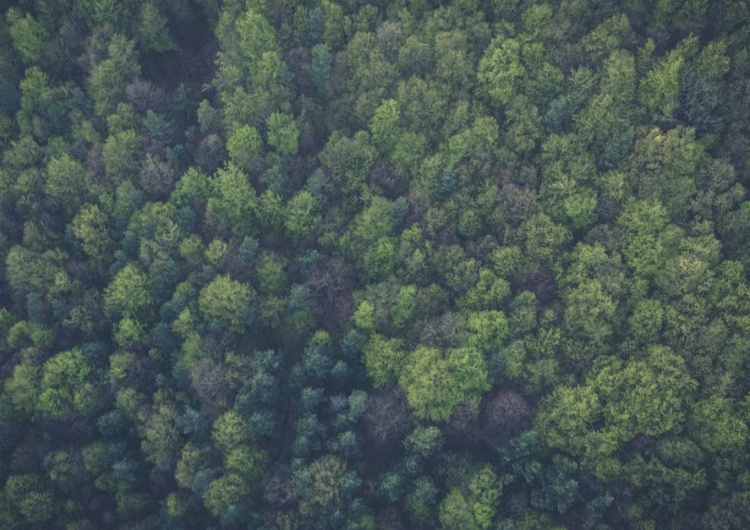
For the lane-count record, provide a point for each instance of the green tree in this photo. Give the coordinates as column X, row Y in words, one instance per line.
column 319, row 68
column 110, row 77
column 271, row 269
column 590, row 312
column 384, row 126
column 385, row 359
column 664, row 167
column 717, row 427
column 160, row 438
column 436, row 382
column 91, row 226
column 487, row 331
column 349, row 160
column 68, row 182
column 500, row 71
column 244, row 145
column 234, row 198
column 128, row 294
column 324, row 489
column 224, row 493
column 283, row 133
column 256, row 38
column 224, row 300
column 153, row 31
column 33, row 503
column 302, row 216
column 544, row 238
column 65, row 385
column 474, row 505
column 649, row 238
column 567, row 418
column 649, row 396
column 230, row 432
column 22, row 386
column 29, row 36
column 122, row 154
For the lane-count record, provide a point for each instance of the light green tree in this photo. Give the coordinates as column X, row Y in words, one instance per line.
column 244, row 145
column 283, row 133
column 91, row 226
column 223, row 300
column 109, row 78
column 500, row 70
column 28, row 35
column 153, row 30
column 436, row 382
column 384, row 359
column 234, row 198
column 69, row 182
column 301, row 215
column 384, row 126
column 128, row 294
column 65, row 385
column 473, row 505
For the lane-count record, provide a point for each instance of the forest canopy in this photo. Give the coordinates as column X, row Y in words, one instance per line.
column 339, row 264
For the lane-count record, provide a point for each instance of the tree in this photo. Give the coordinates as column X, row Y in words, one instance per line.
column 110, row 77
column 608, row 37
column 319, row 68
column 234, row 198
column 717, row 427
column 272, row 276
column 91, row 226
column 161, row 437
column 544, row 238
column 34, row 505
column 122, row 155
column 567, row 417
column 387, row 419
column 435, row 382
column 128, row 294
column 224, row 494
column 664, row 167
column 385, row 360
column 384, row 126
column 589, row 313
column 153, row 32
column 474, row 505
column 22, row 387
column 256, row 39
column 65, row 385
column 283, row 134
column 244, row 145
column 323, row 489
column 456, row 512
column 224, row 300
column 505, row 415
column 302, row 216
column 230, row 432
column 28, row 34
column 648, row 396
column 649, row 238
column 349, row 160
column 486, row 331
column 500, row 71
column 68, row 182
column 646, row 321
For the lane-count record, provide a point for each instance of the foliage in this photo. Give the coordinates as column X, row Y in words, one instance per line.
column 435, row 382
column 358, row 265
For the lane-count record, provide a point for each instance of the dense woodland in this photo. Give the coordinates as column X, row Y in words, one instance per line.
column 331, row 264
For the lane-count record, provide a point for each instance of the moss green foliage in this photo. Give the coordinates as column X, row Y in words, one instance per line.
column 435, row 382
column 343, row 264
